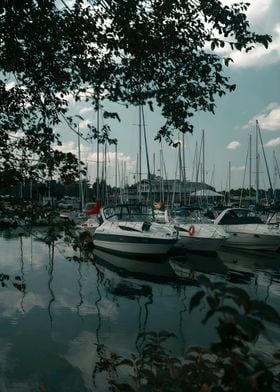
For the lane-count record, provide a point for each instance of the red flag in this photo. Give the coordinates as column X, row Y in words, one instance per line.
column 95, row 209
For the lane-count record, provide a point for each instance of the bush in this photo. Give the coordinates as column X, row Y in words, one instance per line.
column 231, row 364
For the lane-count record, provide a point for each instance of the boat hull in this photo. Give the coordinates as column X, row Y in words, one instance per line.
column 255, row 239
column 199, row 244
column 200, row 237
column 132, row 245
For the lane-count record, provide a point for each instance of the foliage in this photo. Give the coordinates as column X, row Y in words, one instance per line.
column 16, row 282
column 233, row 363
column 131, row 52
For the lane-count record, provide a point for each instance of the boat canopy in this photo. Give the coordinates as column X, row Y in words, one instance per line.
column 237, row 216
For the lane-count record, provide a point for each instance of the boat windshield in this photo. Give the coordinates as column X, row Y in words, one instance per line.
column 187, row 215
column 240, row 216
column 131, row 213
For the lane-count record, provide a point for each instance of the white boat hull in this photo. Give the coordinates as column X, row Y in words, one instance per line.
column 252, row 240
column 134, row 238
column 204, row 238
column 132, row 245
column 199, row 244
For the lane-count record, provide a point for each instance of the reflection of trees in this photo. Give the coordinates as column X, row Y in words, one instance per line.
column 22, row 274
column 50, row 273
column 99, row 346
column 80, row 288
column 181, row 318
column 140, row 340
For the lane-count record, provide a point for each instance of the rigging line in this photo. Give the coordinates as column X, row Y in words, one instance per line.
column 73, row 129
column 174, row 183
column 246, row 161
column 276, row 164
column 167, row 182
column 266, row 165
column 147, row 158
column 65, row 5
column 198, row 163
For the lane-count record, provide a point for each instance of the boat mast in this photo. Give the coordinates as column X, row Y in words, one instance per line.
column 184, row 171
column 140, row 156
column 257, row 165
column 116, row 168
column 277, row 170
column 81, row 193
column 229, row 181
column 161, row 176
column 151, row 195
column 203, row 163
column 97, row 153
column 250, row 165
column 244, row 174
column 265, row 160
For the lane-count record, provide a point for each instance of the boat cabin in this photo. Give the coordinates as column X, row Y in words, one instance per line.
column 237, row 216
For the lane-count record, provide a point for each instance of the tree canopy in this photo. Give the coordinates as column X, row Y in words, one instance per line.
column 156, row 52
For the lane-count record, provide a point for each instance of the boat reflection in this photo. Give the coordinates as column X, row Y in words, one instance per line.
column 245, row 265
column 131, row 272
column 142, row 281
column 232, row 265
column 191, row 265
column 249, row 260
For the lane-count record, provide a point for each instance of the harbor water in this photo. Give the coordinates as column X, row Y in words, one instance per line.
column 59, row 306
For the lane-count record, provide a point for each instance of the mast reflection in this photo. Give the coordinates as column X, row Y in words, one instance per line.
column 50, row 280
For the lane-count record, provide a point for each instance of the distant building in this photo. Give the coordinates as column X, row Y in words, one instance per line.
column 166, row 191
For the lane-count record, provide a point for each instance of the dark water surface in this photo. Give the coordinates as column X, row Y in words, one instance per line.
column 56, row 310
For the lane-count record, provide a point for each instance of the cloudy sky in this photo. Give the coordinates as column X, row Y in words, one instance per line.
column 257, row 97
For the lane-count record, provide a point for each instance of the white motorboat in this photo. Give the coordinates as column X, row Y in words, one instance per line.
column 126, row 229
column 195, row 235
column 247, row 230
column 88, row 225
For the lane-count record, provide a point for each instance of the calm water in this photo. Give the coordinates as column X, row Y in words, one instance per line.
column 52, row 325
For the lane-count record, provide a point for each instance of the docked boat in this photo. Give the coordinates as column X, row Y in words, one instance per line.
column 91, row 220
column 127, row 229
column 193, row 235
column 247, row 230
column 88, row 225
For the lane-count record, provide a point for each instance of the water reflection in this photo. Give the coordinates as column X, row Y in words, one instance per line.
column 50, row 279
column 73, row 304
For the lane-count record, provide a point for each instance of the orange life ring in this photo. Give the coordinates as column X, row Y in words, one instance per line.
column 191, row 230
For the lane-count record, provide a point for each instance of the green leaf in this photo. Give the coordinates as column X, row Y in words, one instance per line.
column 196, row 299
column 265, row 311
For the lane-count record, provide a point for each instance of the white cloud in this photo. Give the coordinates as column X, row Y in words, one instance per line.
column 233, row 145
column 273, row 142
column 86, row 109
column 268, row 119
column 238, row 168
column 68, row 147
column 259, row 56
column 257, row 8
column 10, row 85
column 260, row 15
column 84, row 123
